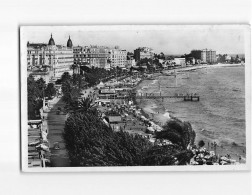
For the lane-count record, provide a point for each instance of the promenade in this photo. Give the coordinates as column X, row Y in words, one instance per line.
column 55, row 125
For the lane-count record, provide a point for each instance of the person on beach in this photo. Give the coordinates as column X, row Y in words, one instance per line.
column 240, row 159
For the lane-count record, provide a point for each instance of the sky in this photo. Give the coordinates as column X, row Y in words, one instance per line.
column 167, row 39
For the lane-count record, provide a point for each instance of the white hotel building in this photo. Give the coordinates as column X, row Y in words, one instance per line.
column 118, row 57
column 55, row 59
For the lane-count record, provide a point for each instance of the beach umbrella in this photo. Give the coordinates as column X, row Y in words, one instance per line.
column 207, row 156
column 152, row 123
column 224, row 158
column 150, row 129
column 158, row 128
column 194, row 163
column 223, row 162
column 143, row 118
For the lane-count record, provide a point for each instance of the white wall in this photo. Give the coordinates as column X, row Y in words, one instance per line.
column 62, row 12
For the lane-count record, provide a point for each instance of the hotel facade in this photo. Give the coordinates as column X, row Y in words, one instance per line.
column 143, row 52
column 118, row 57
column 93, row 56
column 100, row 56
column 205, row 55
column 208, row 56
column 50, row 58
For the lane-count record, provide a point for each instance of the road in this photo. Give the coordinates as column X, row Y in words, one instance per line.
column 55, row 124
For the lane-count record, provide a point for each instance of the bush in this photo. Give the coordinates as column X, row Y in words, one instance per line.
column 178, row 132
column 34, row 96
column 201, row 143
column 90, row 142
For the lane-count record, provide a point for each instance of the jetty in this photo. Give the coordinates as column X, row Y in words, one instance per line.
column 191, row 97
column 181, row 96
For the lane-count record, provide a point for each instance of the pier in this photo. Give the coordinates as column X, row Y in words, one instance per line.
column 191, row 98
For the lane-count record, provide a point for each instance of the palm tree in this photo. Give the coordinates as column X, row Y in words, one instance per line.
column 65, row 76
column 66, row 89
column 81, row 106
column 182, row 136
column 179, row 133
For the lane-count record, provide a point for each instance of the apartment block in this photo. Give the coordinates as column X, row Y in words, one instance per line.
column 143, row 52
column 93, row 56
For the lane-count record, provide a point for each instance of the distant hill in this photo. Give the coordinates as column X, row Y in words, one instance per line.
column 232, row 55
column 173, row 55
column 240, row 55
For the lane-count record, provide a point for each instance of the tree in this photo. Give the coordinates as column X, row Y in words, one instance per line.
column 167, row 155
column 237, row 59
column 79, row 80
column 50, row 90
column 41, row 87
column 82, row 106
column 65, row 77
column 92, row 143
column 201, row 143
column 35, row 96
column 182, row 136
column 91, row 79
column 58, row 82
column 178, row 132
column 232, row 60
column 161, row 56
column 67, row 88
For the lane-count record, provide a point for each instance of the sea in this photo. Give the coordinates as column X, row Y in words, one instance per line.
column 219, row 116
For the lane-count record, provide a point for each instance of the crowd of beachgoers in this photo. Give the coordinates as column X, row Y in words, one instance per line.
column 136, row 121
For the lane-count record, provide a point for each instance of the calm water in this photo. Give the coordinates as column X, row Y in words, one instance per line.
column 220, row 114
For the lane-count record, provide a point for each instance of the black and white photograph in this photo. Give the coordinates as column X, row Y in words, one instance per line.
column 128, row 97
column 134, row 97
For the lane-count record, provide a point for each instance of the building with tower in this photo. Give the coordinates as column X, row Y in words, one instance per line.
column 69, row 43
column 50, row 58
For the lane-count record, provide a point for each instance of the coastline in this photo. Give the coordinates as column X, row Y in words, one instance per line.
column 183, row 69
column 166, row 115
column 157, row 112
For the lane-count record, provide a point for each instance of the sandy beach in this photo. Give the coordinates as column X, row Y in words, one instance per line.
column 202, row 66
column 160, row 113
column 154, row 113
column 153, row 109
